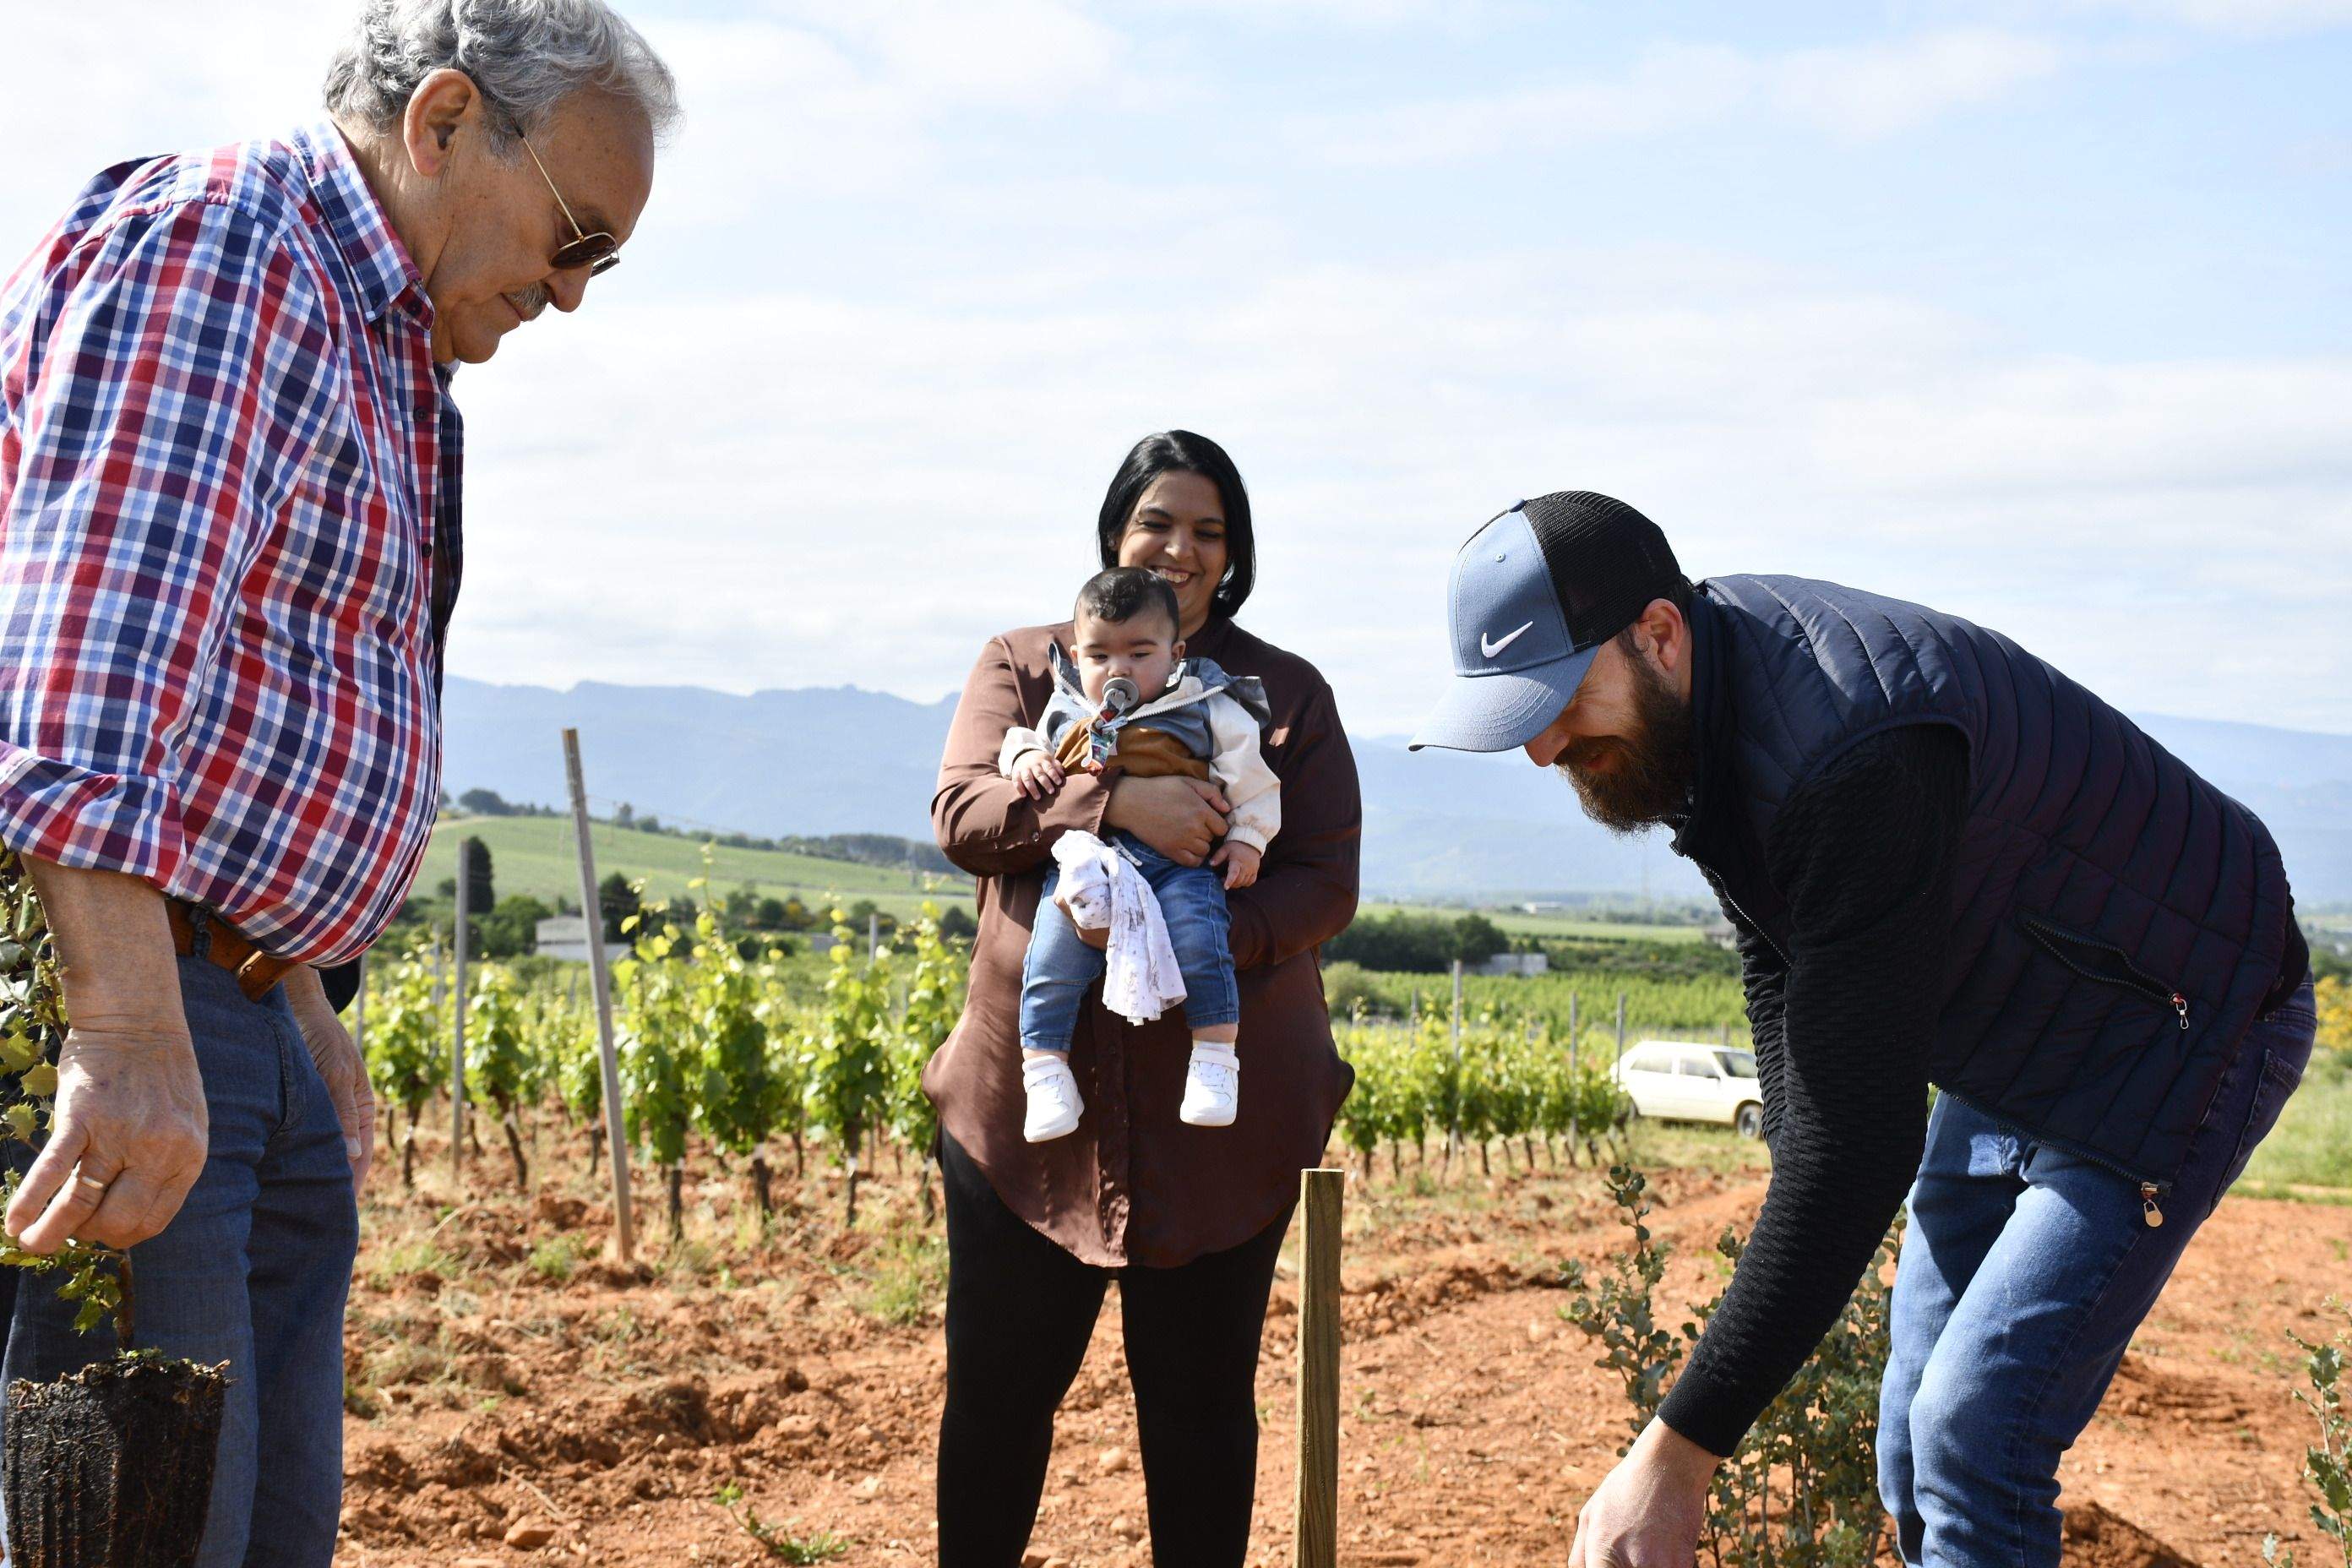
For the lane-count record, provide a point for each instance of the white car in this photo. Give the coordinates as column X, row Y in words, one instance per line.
column 1682, row 1080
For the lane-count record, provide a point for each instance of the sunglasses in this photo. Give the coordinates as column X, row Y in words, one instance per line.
column 598, row 252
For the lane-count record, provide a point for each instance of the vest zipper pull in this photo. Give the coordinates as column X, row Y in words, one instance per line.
column 2180, row 1005
column 2149, row 1210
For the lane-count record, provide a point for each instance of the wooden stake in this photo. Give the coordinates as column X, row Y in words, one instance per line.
column 1454, row 1126
column 591, row 915
column 457, row 1036
column 1317, row 1533
column 1576, row 1103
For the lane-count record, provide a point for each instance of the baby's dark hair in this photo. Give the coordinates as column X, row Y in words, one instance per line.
column 1123, row 592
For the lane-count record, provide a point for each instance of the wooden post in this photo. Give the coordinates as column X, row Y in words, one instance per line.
column 1454, row 1125
column 1726, row 1036
column 458, row 1010
column 873, row 936
column 1621, row 1025
column 1318, row 1533
column 1576, row 1103
column 591, row 915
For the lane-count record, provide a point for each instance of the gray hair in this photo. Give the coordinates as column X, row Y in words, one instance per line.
column 525, row 57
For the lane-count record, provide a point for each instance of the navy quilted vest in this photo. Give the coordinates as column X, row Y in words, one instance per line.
column 2118, row 920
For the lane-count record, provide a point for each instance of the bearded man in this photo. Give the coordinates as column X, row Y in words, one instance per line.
column 1946, row 863
column 229, row 548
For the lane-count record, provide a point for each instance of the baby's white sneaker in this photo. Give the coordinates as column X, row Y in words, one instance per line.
column 1053, row 1103
column 1212, row 1085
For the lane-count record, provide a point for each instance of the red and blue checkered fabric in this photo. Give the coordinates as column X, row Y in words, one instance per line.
column 228, row 541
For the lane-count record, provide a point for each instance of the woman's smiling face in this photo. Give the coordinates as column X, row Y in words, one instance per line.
column 1177, row 532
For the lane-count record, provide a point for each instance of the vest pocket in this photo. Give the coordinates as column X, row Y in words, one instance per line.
column 2103, row 961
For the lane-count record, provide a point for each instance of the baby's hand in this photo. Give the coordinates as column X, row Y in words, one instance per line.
column 1037, row 773
column 1240, row 862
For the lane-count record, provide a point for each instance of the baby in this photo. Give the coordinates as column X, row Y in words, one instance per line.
column 1180, row 717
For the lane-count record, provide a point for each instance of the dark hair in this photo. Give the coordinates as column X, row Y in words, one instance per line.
column 1123, row 592
column 1182, row 452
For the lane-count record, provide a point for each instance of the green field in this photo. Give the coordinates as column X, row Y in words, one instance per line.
column 2312, row 1144
column 535, row 855
column 1518, row 922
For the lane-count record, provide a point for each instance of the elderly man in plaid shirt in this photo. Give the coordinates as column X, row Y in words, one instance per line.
column 228, row 550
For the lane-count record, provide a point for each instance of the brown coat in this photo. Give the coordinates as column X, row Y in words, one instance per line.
column 1133, row 1185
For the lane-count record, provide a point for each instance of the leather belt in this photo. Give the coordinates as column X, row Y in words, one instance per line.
column 257, row 971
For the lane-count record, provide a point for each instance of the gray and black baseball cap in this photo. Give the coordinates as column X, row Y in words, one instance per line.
column 1535, row 593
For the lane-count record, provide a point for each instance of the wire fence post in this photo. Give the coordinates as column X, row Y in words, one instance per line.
column 592, row 920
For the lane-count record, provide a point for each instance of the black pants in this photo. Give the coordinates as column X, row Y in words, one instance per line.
column 1020, row 1312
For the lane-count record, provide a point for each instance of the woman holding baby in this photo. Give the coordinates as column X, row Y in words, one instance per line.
column 1170, row 1150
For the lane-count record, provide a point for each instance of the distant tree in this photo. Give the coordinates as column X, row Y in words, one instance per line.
column 956, row 924
column 650, row 824
column 1477, row 938
column 618, row 900
column 511, row 930
column 884, row 923
column 625, row 817
column 447, row 887
column 485, row 803
column 1420, row 944
column 481, row 895
column 769, row 915
column 798, row 916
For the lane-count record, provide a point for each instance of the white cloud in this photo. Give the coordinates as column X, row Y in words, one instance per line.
column 1859, row 91
column 801, row 492
column 2247, row 17
column 723, row 472
column 79, row 99
column 1878, row 90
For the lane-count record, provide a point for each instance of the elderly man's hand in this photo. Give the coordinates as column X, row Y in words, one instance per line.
column 1649, row 1510
column 126, row 1138
column 337, row 1058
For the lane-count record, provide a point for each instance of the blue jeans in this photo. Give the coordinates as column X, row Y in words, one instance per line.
column 252, row 1271
column 2024, row 1273
column 1059, row 966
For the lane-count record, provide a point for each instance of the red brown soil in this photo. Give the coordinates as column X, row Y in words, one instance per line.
column 601, row 1415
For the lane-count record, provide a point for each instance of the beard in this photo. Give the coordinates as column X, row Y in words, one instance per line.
column 1650, row 771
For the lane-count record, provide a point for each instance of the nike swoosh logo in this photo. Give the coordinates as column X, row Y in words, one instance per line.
column 1491, row 648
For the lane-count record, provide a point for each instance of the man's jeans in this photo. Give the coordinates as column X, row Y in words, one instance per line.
column 252, row 1271
column 1059, row 966
column 2023, row 1276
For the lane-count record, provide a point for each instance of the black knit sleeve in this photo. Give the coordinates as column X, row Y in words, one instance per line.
column 1764, row 982
column 1863, row 854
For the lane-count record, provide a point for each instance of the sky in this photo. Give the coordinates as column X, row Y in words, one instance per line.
column 2038, row 313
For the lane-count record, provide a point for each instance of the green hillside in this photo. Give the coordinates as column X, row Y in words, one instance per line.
column 535, row 855
column 1518, row 922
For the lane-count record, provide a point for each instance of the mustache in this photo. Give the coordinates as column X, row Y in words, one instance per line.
column 1584, row 753
column 529, row 302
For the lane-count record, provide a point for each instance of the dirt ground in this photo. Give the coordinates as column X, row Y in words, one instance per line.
column 516, row 1398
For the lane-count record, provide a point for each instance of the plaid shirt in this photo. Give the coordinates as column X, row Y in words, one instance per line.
column 230, row 542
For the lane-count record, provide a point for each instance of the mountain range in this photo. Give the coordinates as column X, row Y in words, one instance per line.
column 1437, row 825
